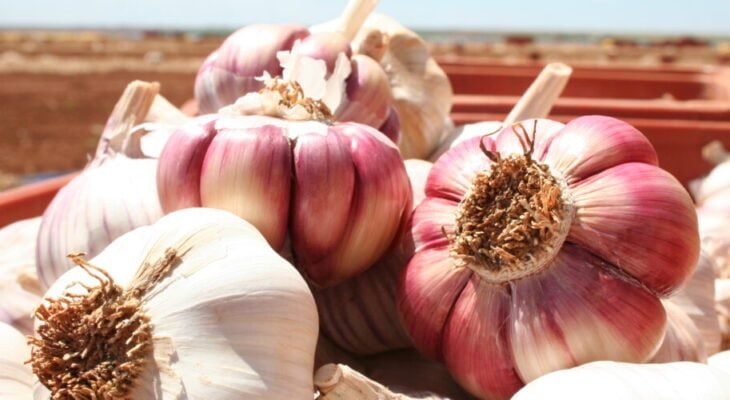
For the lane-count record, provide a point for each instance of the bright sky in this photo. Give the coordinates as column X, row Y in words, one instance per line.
column 585, row 16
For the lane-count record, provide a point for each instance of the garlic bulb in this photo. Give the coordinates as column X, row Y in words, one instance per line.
column 234, row 69
column 605, row 380
column 360, row 314
column 196, row 306
column 114, row 194
column 19, row 288
column 421, row 90
column 16, row 379
column 543, row 248
column 267, row 159
column 693, row 331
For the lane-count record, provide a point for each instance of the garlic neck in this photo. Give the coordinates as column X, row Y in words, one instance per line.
column 513, row 220
column 95, row 345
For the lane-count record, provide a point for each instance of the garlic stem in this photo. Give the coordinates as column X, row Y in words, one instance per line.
column 162, row 111
column 354, row 16
column 130, row 110
column 538, row 99
column 715, row 153
column 340, row 382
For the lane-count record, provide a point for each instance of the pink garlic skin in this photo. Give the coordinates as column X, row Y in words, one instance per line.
column 633, row 238
column 230, row 71
column 337, row 192
column 391, row 126
column 360, row 314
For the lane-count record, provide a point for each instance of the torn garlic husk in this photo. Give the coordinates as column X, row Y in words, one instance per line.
column 195, row 306
column 606, row 380
column 117, row 191
column 20, row 291
column 543, row 247
column 16, row 378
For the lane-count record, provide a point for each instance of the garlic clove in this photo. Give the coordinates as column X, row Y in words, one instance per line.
column 483, row 367
column 381, row 200
column 368, row 97
column 586, row 308
column 231, row 70
column 439, row 214
column 391, row 126
column 425, row 312
column 641, row 208
column 320, row 216
column 247, row 171
column 178, row 177
column 682, row 340
column 16, row 378
column 508, row 142
column 451, row 176
column 588, row 145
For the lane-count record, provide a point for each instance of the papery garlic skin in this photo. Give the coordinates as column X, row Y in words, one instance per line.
column 620, row 233
column 272, row 172
column 232, row 319
column 360, row 314
column 612, row 380
column 20, row 291
column 16, row 378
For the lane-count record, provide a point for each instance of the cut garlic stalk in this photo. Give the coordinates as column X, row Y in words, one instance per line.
column 114, row 194
column 340, row 382
column 545, row 247
column 535, row 103
column 196, row 306
column 607, row 380
column 16, row 378
column 20, row 291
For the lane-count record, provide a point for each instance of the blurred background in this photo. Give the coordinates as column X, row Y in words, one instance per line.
column 663, row 66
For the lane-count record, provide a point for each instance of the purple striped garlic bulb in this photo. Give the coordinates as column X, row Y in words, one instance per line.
column 336, row 192
column 233, row 70
column 545, row 247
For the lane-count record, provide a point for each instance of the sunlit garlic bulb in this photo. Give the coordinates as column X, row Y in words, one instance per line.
column 16, row 378
column 195, row 306
column 545, row 247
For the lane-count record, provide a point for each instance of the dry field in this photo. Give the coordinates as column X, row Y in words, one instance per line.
column 56, row 89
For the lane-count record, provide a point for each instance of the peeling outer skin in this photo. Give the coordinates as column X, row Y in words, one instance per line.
column 597, row 298
column 230, row 71
column 263, row 169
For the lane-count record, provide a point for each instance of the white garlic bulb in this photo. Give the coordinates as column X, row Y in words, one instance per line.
column 606, row 380
column 20, row 292
column 421, row 90
column 195, row 306
column 16, row 379
column 116, row 192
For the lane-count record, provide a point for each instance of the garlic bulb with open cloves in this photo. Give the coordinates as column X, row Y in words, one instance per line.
column 20, row 291
column 195, row 306
column 16, row 378
column 115, row 193
column 545, row 247
column 338, row 192
column 233, row 70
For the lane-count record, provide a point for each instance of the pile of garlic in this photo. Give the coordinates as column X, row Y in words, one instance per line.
column 293, row 243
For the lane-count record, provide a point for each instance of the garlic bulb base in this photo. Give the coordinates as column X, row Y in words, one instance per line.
column 105, row 317
column 514, row 218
